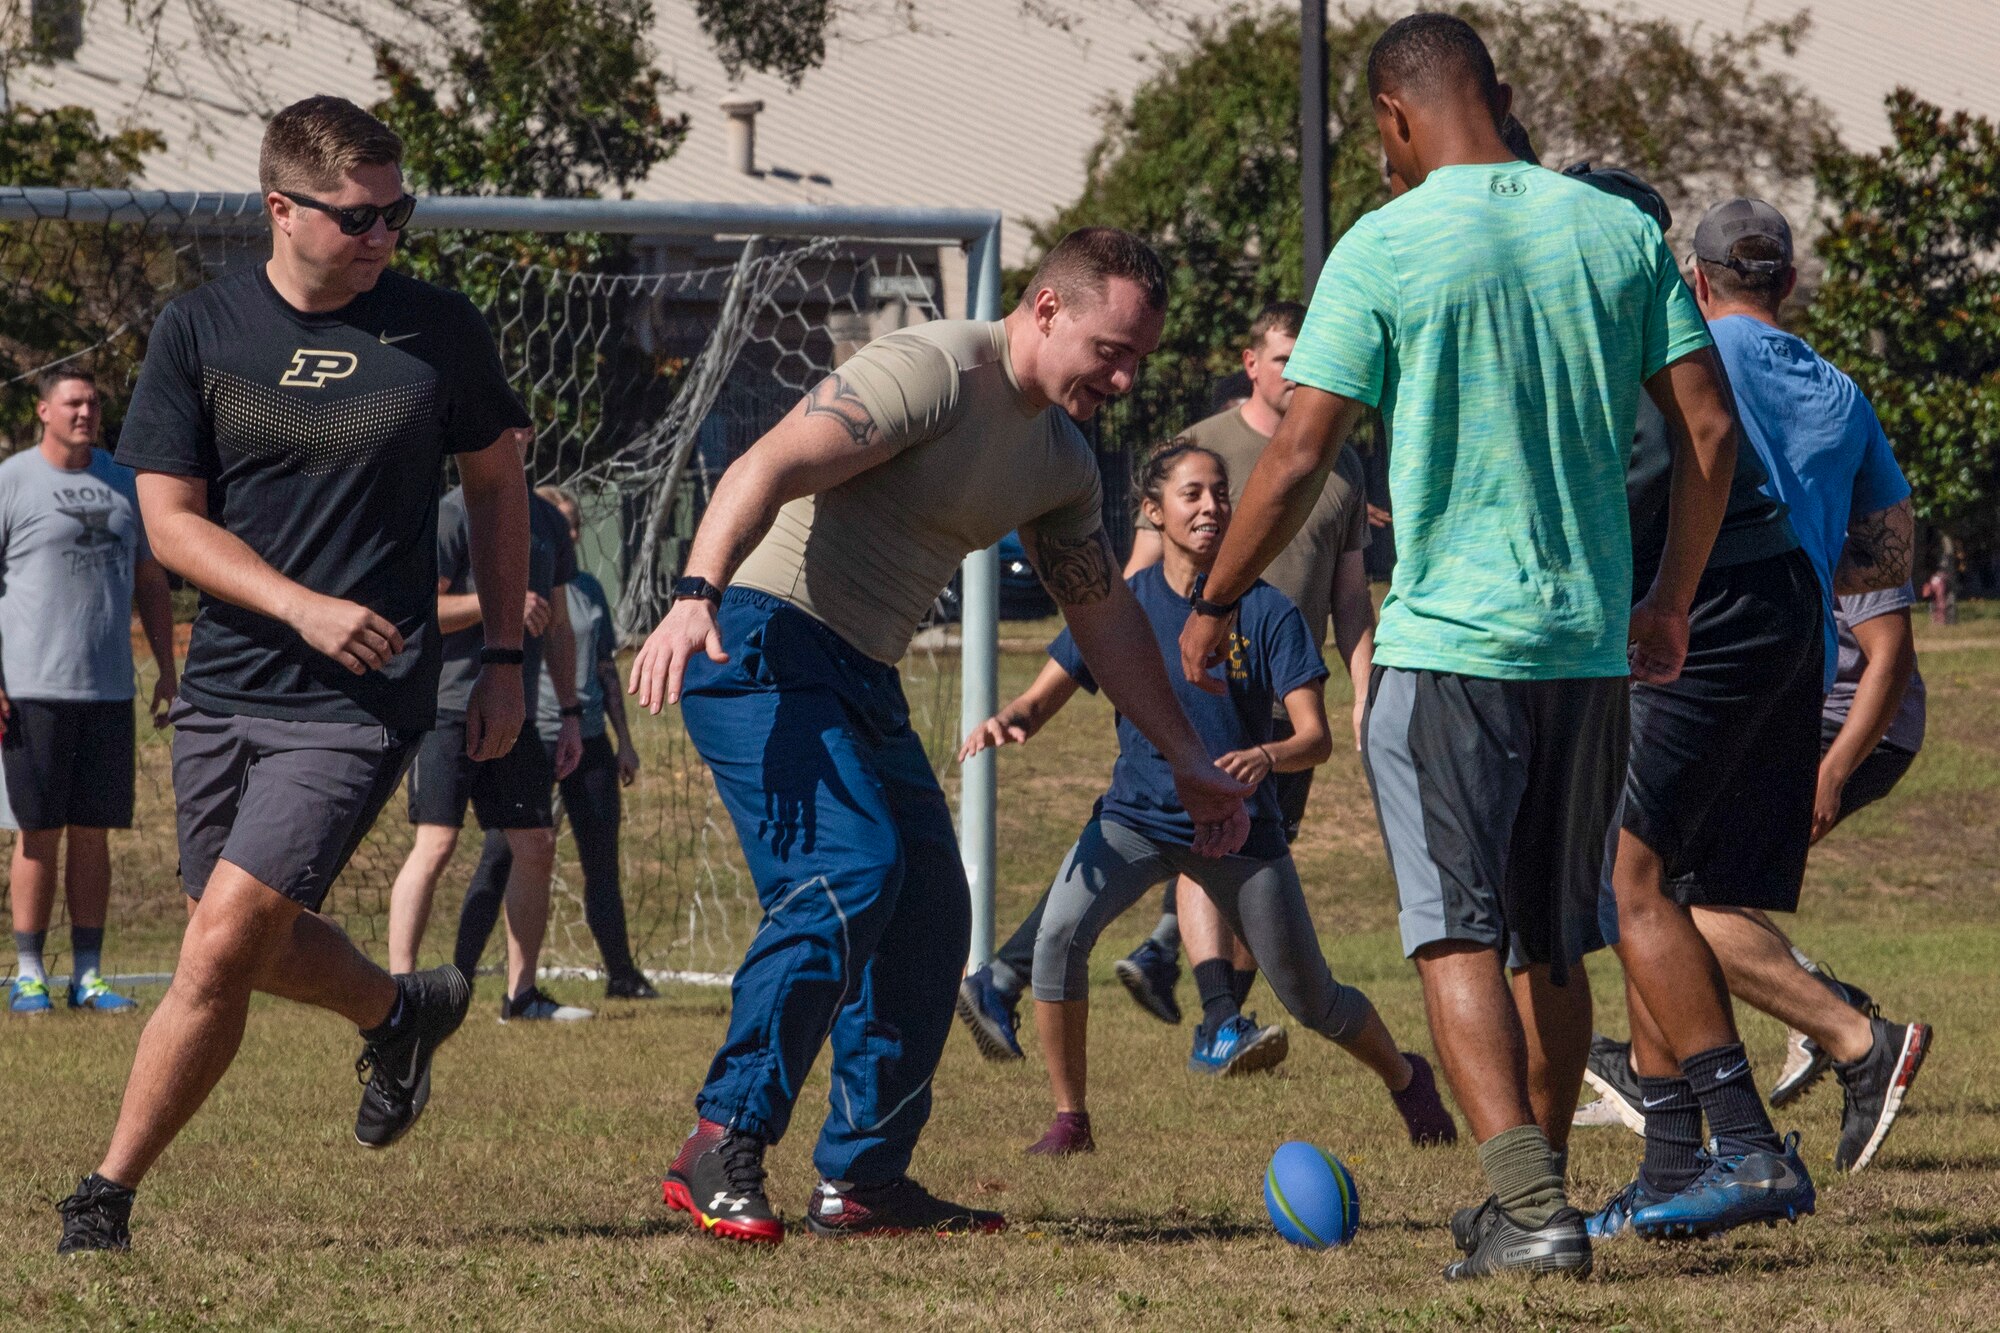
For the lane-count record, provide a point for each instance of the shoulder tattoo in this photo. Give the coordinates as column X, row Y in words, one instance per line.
column 832, row 397
column 1078, row 571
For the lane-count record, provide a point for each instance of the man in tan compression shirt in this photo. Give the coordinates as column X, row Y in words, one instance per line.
column 832, row 534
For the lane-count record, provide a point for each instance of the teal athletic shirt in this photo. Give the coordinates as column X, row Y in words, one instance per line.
column 1503, row 318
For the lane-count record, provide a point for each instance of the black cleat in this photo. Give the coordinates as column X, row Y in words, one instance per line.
column 395, row 1070
column 900, row 1207
column 633, row 987
column 96, row 1217
column 1609, row 1070
column 1875, row 1086
column 1805, row 1062
column 1500, row 1244
column 717, row 1178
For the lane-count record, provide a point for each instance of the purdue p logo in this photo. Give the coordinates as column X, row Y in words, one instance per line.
column 311, row 368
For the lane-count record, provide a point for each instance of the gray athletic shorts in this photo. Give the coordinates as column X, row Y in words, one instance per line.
column 286, row 800
column 1112, row 866
column 1495, row 799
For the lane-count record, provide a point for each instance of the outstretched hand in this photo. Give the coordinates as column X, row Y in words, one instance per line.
column 991, row 734
column 1215, row 800
column 657, row 671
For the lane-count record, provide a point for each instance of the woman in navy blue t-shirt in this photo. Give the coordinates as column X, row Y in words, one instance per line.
column 1139, row 835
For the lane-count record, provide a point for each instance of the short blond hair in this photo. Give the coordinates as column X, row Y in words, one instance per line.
column 311, row 144
column 560, row 498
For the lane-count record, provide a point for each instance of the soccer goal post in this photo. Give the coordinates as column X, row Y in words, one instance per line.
column 651, row 342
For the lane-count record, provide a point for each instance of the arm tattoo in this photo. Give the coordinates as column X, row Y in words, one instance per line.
column 832, row 398
column 1078, row 572
column 1878, row 552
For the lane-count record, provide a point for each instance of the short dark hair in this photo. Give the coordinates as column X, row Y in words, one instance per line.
column 47, row 380
column 1286, row 317
column 1161, row 464
column 1423, row 52
column 1764, row 289
column 311, row 144
column 1078, row 266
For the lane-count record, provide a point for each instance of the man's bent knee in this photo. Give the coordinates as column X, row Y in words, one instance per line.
column 241, row 922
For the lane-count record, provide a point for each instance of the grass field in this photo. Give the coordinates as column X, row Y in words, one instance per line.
column 528, row 1198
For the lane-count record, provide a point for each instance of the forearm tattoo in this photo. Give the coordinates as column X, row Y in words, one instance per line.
column 1879, row 551
column 1078, row 572
column 832, row 398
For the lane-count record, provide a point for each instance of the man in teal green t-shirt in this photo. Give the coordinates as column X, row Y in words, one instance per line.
column 1503, row 320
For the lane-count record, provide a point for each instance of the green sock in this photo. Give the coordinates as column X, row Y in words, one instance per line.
column 1520, row 1169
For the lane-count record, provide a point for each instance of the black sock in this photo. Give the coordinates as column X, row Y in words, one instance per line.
column 1673, row 1134
column 1729, row 1100
column 1216, row 981
column 1240, row 983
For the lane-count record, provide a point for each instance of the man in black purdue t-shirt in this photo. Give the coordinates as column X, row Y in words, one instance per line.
column 289, row 428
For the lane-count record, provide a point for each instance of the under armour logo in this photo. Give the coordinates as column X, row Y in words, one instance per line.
column 312, row 368
column 722, row 1198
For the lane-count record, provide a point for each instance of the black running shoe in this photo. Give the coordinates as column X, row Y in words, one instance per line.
column 900, row 1207
column 1609, row 1070
column 633, row 987
column 96, row 1217
column 395, row 1070
column 717, row 1178
column 1502, row 1244
column 1875, row 1086
column 1805, row 1062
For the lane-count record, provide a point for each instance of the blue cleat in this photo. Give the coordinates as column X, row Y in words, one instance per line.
column 1150, row 973
column 989, row 1015
column 94, row 994
column 1616, row 1216
column 1736, row 1189
column 29, row 996
column 1238, row 1046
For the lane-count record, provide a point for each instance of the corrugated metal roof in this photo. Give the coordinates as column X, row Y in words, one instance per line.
column 982, row 106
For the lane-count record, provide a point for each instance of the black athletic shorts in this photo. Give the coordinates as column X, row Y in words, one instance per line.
column 284, row 799
column 1725, row 761
column 69, row 762
column 1293, row 790
column 1873, row 778
column 517, row 790
column 1495, row 797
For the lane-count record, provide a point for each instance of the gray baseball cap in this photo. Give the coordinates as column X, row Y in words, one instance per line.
column 1733, row 220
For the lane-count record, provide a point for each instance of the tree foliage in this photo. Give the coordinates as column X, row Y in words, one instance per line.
column 1203, row 160
column 74, row 291
column 1909, row 304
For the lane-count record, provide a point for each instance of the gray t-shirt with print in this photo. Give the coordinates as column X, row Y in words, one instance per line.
column 69, row 541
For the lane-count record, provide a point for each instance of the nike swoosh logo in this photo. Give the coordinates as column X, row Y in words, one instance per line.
column 1724, row 1075
column 1649, row 1103
column 401, row 337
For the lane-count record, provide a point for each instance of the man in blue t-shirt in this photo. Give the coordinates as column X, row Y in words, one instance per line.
column 1830, row 464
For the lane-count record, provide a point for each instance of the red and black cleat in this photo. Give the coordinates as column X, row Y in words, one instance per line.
column 718, row 1179
column 900, row 1207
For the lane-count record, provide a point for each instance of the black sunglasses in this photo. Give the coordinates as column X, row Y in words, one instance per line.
column 360, row 219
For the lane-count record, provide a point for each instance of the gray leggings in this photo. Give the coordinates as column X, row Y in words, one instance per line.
column 1112, row 866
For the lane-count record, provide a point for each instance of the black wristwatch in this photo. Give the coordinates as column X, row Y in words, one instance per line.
column 696, row 586
column 1203, row 607
column 501, row 657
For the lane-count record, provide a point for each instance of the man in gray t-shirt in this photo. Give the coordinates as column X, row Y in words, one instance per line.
column 1873, row 722
column 73, row 563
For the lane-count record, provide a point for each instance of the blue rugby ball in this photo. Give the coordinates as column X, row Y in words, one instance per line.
column 1310, row 1196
